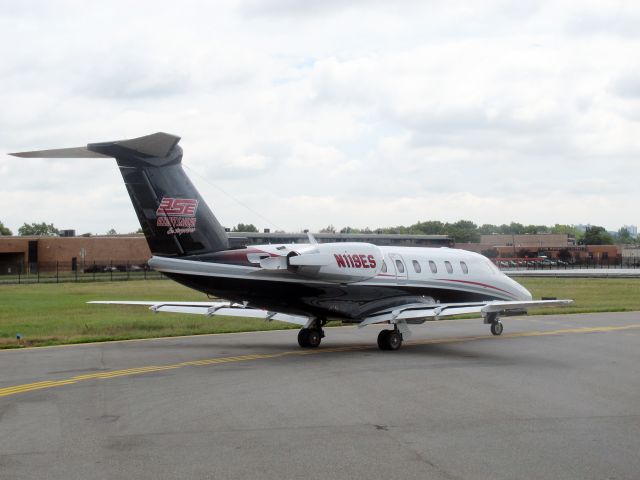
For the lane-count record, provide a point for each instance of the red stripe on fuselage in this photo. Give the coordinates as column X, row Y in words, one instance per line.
column 238, row 257
column 476, row 283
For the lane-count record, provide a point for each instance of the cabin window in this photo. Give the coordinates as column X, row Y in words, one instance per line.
column 433, row 266
column 416, row 266
column 464, row 267
column 448, row 266
column 400, row 266
column 384, row 267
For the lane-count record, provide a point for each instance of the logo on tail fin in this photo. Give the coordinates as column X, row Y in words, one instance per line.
column 177, row 214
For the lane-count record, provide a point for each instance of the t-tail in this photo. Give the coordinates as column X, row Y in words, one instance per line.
column 174, row 218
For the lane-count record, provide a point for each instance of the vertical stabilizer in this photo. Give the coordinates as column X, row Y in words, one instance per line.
column 175, row 219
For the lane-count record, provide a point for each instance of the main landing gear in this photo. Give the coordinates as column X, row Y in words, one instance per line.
column 390, row 339
column 496, row 324
column 310, row 337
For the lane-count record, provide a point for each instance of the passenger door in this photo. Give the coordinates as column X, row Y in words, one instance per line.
column 400, row 267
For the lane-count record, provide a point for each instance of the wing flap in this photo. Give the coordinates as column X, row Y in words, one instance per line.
column 226, row 309
column 151, row 303
column 502, row 306
column 417, row 313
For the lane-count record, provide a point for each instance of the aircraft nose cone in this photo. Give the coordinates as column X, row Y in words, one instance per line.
column 523, row 293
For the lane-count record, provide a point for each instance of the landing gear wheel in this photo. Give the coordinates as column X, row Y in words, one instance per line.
column 309, row 337
column 303, row 337
column 389, row 340
column 496, row 328
column 314, row 337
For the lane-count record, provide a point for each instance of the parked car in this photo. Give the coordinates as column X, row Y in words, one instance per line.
column 94, row 269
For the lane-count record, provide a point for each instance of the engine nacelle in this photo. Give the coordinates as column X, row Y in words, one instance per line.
column 337, row 262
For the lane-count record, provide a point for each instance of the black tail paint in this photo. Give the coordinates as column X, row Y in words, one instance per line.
column 174, row 218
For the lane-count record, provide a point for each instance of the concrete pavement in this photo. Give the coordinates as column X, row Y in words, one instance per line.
column 554, row 397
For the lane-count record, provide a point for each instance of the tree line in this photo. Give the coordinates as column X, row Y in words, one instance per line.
column 462, row 231
column 43, row 229
column 465, row 231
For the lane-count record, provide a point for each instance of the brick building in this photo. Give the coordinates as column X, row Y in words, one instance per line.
column 552, row 246
column 28, row 254
column 39, row 253
column 33, row 254
column 527, row 240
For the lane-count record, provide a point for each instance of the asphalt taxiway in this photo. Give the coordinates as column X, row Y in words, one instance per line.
column 553, row 397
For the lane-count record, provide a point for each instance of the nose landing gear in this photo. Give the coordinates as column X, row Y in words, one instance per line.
column 496, row 325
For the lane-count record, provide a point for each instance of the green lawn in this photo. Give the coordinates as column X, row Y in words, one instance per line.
column 589, row 294
column 48, row 314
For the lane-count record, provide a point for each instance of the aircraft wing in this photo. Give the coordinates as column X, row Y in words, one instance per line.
column 210, row 309
column 420, row 313
column 414, row 313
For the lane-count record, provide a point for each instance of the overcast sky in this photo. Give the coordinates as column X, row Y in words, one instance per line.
column 360, row 113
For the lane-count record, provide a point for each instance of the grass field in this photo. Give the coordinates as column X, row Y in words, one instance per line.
column 49, row 314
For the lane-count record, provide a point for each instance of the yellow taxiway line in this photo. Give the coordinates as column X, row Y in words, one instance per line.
column 30, row 387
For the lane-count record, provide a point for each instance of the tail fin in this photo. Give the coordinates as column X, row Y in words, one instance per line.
column 174, row 218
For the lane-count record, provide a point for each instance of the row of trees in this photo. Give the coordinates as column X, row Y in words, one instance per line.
column 462, row 231
column 32, row 229
column 4, row 230
column 43, row 229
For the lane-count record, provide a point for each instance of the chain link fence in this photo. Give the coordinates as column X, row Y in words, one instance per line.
column 59, row 272
column 527, row 264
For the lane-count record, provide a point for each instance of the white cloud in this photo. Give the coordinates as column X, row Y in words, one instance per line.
column 363, row 114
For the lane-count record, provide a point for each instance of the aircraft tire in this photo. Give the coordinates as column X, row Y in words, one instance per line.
column 314, row 337
column 496, row 328
column 309, row 337
column 389, row 340
column 303, row 337
column 382, row 340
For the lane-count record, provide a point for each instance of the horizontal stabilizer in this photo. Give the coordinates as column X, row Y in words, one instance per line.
column 154, row 145
column 74, row 152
